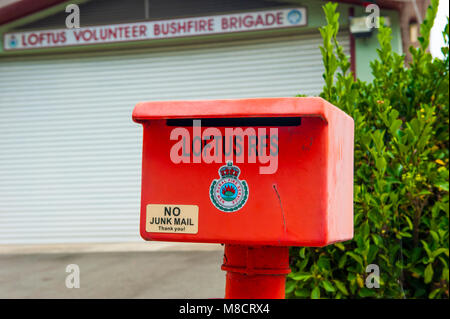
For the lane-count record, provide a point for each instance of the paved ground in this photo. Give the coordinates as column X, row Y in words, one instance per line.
column 167, row 272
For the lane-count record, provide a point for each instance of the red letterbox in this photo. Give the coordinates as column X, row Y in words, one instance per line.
column 247, row 173
column 306, row 200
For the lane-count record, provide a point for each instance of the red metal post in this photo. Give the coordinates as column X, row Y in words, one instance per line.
column 255, row 272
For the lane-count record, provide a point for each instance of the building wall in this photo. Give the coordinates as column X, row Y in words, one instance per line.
column 408, row 14
column 104, row 12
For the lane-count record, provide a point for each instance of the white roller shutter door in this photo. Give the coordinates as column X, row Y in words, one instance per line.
column 70, row 155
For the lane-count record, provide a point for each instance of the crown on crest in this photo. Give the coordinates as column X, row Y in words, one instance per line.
column 229, row 170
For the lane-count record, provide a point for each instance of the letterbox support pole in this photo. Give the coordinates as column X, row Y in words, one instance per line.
column 255, row 272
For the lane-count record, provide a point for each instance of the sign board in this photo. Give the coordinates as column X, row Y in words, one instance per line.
column 160, row 29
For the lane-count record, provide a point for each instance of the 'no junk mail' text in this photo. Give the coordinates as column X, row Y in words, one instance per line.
column 172, row 218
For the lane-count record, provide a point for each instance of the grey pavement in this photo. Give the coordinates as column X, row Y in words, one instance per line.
column 163, row 273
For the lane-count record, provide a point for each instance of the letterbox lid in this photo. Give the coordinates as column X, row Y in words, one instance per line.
column 254, row 107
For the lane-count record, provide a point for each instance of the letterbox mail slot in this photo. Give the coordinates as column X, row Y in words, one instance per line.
column 270, row 171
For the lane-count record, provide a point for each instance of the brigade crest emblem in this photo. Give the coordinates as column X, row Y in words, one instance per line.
column 229, row 193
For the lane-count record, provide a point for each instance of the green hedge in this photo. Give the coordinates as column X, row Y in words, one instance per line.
column 401, row 207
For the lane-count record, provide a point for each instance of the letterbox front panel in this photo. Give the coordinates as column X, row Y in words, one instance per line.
column 304, row 199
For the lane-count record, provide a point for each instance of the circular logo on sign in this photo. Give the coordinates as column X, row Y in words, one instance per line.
column 294, row 16
column 229, row 193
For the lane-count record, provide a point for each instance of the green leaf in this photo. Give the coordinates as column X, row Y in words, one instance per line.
column 428, row 274
column 435, row 236
column 328, row 286
column 302, row 252
column 410, row 224
column 427, row 249
column 439, row 251
column 434, row 293
column 377, row 240
column 302, row 292
column 290, row 286
column 356, row 257
column 342, row 261
column 315, row 294
column 323, row 263
column 395, row 126
column 301, row 276
column 372, row 253
column 339, row 285
column 366, row 292
column 442, row 185
column 366, row 230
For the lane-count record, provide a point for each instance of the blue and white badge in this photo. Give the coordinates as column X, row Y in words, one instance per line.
column 229, row 193
column 294, row 16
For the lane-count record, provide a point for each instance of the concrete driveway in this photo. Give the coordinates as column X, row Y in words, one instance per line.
column 120, row 271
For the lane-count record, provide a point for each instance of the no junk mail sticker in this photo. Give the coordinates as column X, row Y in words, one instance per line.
column 172, row 219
